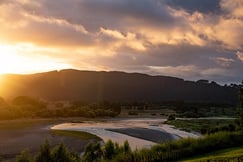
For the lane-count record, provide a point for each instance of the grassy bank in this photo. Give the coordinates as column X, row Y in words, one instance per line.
column 204, row 125
column 184, row 148
column 225, row 154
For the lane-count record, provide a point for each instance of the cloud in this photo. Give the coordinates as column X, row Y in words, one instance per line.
column 192, row 39
column 233, row 8
column 127, row 39
column 55, row 21
column 225, row 62
column 239, row 55
column 188, row 70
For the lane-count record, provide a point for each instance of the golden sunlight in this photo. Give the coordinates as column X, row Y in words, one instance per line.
column 9, row 59
column 22, row 61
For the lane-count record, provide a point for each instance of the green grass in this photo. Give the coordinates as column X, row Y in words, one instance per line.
column 225, row 154
column 76, row 134
column 197, row 124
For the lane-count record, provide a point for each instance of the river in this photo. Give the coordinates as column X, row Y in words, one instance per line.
column 140, row 132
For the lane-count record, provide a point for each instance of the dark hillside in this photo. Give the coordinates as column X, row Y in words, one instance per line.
column 113, row 86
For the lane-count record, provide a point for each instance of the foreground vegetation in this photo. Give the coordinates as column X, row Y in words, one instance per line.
column 232, row 154
column 59, row 153
column 112, row 152
column 183, row 148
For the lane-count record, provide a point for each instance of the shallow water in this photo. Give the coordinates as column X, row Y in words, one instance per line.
column 99, row 128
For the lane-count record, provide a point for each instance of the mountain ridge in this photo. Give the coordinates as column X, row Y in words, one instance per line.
column 71, row 84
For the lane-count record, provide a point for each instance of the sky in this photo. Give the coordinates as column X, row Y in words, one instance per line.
column 190, row 39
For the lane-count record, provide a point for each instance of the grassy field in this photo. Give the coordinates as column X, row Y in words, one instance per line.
column 226, row 154
column 76, row 134
column 197, row 125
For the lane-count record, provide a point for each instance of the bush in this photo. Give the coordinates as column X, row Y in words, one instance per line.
column 61, row 154
column 92, row 152
column 109, row 150
column 190, row 147
column 23, row 157
column 45, row 153
column 126, row 147
column 171, row 117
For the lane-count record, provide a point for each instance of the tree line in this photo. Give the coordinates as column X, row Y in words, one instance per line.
column 28, row 107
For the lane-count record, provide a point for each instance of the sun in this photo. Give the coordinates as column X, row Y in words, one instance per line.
column 9, row 59
column 27, row 59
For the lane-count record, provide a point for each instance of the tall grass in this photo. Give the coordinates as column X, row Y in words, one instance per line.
column 183, row 148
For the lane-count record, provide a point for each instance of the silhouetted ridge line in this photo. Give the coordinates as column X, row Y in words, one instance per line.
column 115, row 86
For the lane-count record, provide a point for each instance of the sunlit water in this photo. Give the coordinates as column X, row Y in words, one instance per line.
column 99, row 128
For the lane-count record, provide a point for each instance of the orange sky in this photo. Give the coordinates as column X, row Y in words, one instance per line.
column 161, row 37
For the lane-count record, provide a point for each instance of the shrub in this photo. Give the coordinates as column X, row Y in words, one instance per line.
column 23, row 157
column 92, row 152
column 171, row 117
column 126, row 147
column 61, row 154
column 109, row 150
column 45, row 153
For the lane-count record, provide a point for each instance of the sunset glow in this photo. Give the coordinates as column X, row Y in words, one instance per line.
column 14, row 61
column 191, row 40
column 10, row 60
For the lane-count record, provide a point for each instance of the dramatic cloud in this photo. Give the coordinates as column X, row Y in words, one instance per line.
column 225, row 62
column 240, row 55
column 184, row 38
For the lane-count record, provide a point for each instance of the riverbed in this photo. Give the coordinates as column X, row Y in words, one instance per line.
column 139, row 132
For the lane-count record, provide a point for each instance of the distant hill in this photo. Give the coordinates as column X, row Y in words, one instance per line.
column 113, row 86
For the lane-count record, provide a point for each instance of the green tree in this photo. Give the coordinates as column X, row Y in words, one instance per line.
column 118, row 149
column 75, row 157
column 239, row 110
column 23, row 157
column 92, row 153
column 32, row 103
column 109, row 150
column 171, row 117
column 241, row 106
column 45, row 153
column 126, row 147
column 61, row 154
